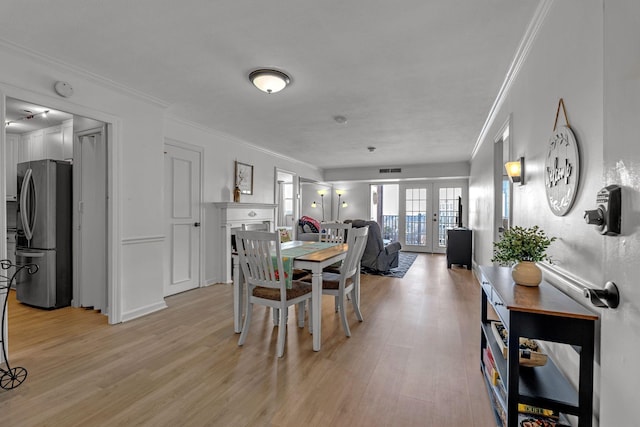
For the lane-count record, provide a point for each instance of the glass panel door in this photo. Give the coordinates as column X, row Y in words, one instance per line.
column 416, row 217
column 448, row 214
column 418, row 214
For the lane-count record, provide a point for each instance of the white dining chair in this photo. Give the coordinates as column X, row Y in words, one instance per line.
column 342, row 284
column 333, row 232
column 261, row 262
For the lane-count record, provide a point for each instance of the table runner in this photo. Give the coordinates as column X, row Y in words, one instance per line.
column 289, row 254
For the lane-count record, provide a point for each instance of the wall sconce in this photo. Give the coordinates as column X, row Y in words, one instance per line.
column 515, row 170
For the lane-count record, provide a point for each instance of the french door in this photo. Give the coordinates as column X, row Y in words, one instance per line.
column 426, row 211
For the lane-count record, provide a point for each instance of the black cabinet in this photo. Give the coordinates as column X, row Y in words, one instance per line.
column 540, row 313
column 459, row 247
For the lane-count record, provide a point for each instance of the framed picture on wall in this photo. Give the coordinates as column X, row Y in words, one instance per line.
column 244, row 177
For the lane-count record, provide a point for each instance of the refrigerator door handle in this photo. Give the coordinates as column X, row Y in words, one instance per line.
column 27, row 215
column 30, row 254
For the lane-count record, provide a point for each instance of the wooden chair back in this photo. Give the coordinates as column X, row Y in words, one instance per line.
column 356, row 240
column 260, row 258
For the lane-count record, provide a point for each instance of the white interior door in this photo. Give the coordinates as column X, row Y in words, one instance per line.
column 182, row 213
column 90, row 230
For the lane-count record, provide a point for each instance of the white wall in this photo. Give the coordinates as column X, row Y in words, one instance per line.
column 220, row 153
column 585, row 52
column 620, row 331
column 309, row 194
column 356, row 194
column 136, row 146
column 139, row 131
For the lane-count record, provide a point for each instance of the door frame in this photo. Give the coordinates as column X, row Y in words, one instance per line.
column 433, row 198
column 402, row 215
column 501, row 155
column 295, row 183
column 77, row 239
column 114, row 174
column 203, row 224
column 464, row 193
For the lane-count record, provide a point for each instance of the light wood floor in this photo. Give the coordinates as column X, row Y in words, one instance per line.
column 414, row 361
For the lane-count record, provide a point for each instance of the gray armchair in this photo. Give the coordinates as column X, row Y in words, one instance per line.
column 376, row 255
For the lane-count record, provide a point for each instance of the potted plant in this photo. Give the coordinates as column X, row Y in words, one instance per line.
column 521, row 248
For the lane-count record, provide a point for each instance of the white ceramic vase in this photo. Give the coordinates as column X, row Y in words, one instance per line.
column 526, row 273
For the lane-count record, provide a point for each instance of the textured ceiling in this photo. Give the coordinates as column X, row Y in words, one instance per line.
column 414, row 78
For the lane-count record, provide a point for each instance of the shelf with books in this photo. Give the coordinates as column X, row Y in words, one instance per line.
column 499, row 408
column 533, row 416
column 530, row 314
column 541, row 383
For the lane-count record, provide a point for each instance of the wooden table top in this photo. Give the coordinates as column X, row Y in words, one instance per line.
column 542, row 299
column 324, row 254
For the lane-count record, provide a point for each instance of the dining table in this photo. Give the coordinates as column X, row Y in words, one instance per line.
column 311, row 256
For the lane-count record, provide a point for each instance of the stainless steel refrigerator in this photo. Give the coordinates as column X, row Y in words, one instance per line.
column 44, row 233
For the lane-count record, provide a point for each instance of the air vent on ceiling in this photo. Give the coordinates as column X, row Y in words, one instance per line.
column 391, row 170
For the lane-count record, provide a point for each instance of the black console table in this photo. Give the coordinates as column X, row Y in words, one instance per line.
column 542, row 313
column 459, row 247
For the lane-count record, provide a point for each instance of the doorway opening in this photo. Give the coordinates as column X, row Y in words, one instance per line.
column 286, row 197
column 42, row 137
column 418, row 214
column 503, row 188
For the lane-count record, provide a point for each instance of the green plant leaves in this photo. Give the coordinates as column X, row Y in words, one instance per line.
column 522, row 244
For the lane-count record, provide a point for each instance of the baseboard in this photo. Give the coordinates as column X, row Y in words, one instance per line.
column 143, row 311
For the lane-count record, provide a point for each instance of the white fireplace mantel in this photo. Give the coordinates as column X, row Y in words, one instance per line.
column 232, row 216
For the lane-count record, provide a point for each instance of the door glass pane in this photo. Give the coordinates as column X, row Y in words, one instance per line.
column 288, row 198
column 448, row 204
column 416, row 216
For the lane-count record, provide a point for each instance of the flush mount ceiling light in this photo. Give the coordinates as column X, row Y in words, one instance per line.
column 268, row 80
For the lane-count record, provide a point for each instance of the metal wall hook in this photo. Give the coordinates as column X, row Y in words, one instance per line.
column 609, row 297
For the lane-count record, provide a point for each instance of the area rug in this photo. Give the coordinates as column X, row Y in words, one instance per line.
column 405, row 261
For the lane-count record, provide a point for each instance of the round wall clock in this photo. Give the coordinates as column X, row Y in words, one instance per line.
column 562, row 171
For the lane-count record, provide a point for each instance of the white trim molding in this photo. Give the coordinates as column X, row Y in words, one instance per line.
column 521, row 55
column 143, row 311
column 93, row 77
column 142, row 240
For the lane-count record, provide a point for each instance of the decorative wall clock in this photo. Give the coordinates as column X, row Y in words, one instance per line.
column 562, row 170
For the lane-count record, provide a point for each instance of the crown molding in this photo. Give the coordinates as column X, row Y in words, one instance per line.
column 49, row 61
column 514, row 69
